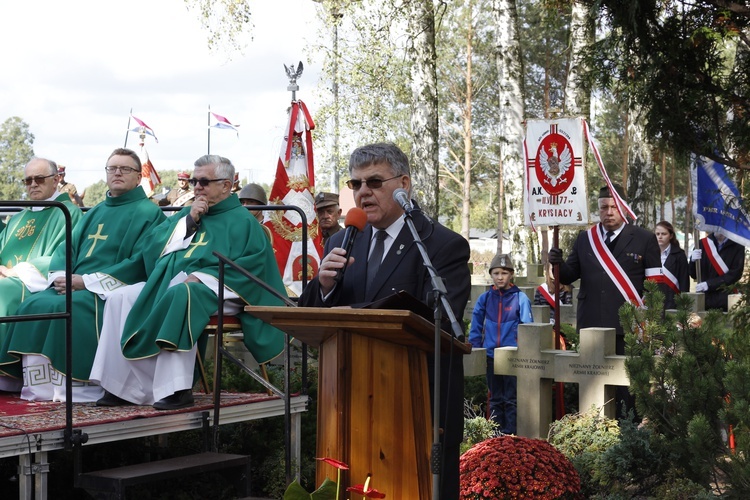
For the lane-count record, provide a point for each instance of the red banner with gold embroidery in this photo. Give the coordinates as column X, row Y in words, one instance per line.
column 294, row 185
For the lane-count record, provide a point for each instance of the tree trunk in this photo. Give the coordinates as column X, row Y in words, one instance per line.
column 424, row 117
column 466, row 205
column 510, row 93
column 577, row 98
column 663, row 182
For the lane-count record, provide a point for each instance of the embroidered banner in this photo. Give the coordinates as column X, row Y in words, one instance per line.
column 555, row 187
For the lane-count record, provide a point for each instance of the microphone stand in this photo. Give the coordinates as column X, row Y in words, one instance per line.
column 440, row 295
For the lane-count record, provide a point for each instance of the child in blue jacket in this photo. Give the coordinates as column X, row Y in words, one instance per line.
column 494, row 323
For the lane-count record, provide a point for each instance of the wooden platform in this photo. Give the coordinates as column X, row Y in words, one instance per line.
column 31, row 436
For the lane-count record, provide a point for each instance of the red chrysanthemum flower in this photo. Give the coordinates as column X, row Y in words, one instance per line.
column 519, row 468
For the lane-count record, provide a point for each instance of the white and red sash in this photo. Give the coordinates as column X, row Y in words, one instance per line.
column 614, row 271
column 662, row 275
column 544, row 290
column 709, row 248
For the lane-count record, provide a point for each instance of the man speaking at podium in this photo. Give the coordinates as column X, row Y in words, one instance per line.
column 384, row 260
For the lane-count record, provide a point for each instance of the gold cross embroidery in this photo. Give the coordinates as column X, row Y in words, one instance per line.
column 196, row 244
column 96, row 237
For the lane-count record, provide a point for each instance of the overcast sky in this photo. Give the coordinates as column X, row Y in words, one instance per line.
column 73, row 70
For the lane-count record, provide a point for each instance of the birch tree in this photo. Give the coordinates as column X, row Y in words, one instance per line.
column 424, row 103
column 578, row 96
column 511, row 116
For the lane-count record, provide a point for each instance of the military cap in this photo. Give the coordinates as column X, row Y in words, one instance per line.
column 323, row 200
column 502, row 260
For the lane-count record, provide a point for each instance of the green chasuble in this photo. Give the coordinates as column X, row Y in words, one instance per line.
column 30, row 237
column 174, row 318
column 109, row 233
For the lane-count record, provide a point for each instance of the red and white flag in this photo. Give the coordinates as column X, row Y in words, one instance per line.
column 149, row 177
column 142, row 128
column 294, row 185
column 223, row 123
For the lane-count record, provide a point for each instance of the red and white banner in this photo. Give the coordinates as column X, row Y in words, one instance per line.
column 555, row 187
column 149, row 177
column 294, row 185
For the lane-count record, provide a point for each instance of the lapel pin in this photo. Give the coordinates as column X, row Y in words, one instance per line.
column 401, row 247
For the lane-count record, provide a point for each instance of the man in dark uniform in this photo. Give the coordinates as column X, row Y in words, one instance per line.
column 395, row 264
column 596, row 250
column 722, row 262
column 329, row 213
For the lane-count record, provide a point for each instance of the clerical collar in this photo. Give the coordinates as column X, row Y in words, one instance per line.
column 52, row 198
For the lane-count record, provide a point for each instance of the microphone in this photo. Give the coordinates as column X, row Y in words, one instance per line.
column 402, row 198
column 355, row 221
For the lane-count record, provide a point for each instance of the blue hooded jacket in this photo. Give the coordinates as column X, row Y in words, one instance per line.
column 496, row 316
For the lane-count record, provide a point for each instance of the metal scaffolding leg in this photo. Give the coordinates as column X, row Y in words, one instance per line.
column 33, row 476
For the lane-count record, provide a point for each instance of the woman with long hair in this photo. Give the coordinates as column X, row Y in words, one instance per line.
column 674, row 265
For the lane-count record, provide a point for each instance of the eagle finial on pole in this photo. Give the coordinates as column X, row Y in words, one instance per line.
column 293, row 74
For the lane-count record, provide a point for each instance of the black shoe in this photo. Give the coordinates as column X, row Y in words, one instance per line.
column 180, row 399
column 110, row 399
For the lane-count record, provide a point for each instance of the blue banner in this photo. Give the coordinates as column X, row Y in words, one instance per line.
column 717, row 205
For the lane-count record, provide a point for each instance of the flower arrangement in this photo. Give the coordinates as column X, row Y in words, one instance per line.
column 517, row 467
column 329, row 490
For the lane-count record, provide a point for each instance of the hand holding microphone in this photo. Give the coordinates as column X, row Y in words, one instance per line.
column 355, row 222
column 334, row 264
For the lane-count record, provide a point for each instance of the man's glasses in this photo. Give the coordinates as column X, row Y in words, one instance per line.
column 123, row 170
column 39, row 179
column 204, row 182
column 355, row 184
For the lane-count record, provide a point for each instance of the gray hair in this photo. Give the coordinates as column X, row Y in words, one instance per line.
column 224, row 167
column 52, row 164
column 378, row 153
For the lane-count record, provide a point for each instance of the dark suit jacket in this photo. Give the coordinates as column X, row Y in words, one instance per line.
column 599, row 300
column 733, row 255
column 402, row 269
column 677, row 264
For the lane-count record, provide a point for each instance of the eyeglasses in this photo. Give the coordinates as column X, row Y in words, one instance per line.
column 355, row 184
column 39, row 179
column 204, row 182
column 123, row 170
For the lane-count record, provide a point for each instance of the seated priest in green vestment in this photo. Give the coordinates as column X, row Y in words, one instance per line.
column 151, row 331
column 26, row 247
column 111, row 232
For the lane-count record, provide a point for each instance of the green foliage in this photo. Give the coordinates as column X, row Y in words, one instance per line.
column 226, row 21
column 95, row 193
column 684, row 66
column 295, row 491
column 16, row 149
column 477, row 427
column 584, row 438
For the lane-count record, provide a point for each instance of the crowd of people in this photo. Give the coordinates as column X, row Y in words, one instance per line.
column 144, row 285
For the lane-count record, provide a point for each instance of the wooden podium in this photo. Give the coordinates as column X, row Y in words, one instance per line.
column 374, row 411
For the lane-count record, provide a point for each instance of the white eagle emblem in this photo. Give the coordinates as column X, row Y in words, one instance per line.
column 554, row 165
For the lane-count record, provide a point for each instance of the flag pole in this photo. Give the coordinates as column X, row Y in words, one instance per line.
column 127, row 130
column 208, row 118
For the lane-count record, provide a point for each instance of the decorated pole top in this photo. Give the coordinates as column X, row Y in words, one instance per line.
column 293, row 74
